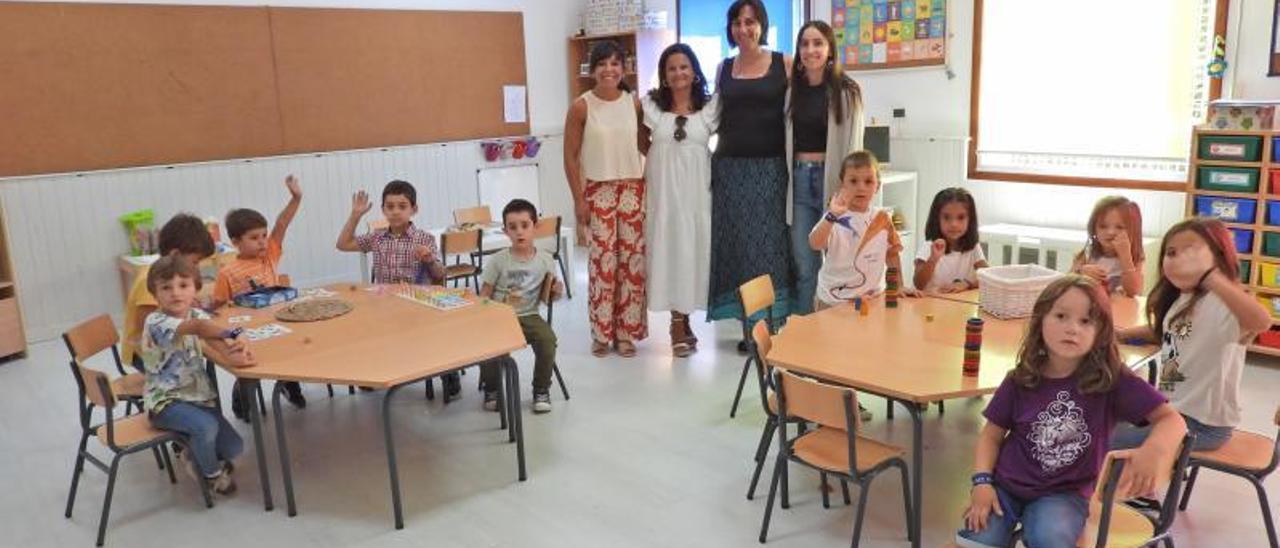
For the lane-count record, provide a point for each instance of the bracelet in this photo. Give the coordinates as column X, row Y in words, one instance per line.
column 231, row 333
column 983, row 478
column 830, row 217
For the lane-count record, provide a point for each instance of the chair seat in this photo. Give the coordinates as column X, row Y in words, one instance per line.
column 1245, row 450
column 828, row 449
column 132, row 430
column 1128, row 527
column 459, row 270
column 129, row 386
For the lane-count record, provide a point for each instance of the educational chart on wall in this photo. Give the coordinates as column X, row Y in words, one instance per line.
column 879, row 34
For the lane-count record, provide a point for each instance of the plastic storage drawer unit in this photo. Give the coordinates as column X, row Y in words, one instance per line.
column 1227, row 179
column 1231, row 210
column 1234, row 148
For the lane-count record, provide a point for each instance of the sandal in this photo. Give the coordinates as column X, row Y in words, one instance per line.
column 626, row 349
column 683, row 343
column 599, row 349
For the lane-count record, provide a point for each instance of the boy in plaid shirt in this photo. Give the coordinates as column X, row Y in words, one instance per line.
column 402, row 253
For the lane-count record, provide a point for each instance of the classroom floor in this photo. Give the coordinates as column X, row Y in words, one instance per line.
column 644, row 454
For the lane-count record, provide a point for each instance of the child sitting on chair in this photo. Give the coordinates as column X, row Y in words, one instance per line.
column 179, row 395
column 515, row 276
column 401, row 252
column 258, row 254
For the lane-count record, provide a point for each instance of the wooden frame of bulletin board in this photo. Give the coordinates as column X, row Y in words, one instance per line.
column 880, row 34
column 96, row 86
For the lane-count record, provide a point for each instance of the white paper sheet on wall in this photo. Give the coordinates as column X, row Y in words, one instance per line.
column 513, row 99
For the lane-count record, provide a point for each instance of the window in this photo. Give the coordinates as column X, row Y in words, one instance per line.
column 1097, row 92
column 701, row 24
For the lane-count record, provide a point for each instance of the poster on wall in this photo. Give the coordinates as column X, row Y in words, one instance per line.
column 881, row 34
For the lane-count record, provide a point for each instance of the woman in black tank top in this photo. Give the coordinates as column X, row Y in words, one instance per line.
column 749, row 170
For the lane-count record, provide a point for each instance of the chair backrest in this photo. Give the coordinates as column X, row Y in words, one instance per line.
column 90, row 337
column 763, row 344
column 1101, row 504
column 366, row 273
column 97, row 389
column 756, row 295
column 828, row 405
column 460, row 243
column 477, row 214
column 548, row 227
column 544, row 294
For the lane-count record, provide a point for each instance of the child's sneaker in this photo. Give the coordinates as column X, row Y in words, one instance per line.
column 490, row 400
column 542, row 402
column 221, row 484
column 293, row 393
column 864, row 413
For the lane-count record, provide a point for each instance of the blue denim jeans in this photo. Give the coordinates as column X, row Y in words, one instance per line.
column 1208, row 438
column 1051, row 521
column 210, row 437
column 808, row 203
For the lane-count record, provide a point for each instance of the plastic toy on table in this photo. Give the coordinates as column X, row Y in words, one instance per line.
column 439, row 298
column 262, row 297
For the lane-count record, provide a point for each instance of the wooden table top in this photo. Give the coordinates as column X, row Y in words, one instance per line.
column 904, row 354
column 385, row 341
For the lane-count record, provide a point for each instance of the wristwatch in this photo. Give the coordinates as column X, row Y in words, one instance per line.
column 232, row 333
column 983, row 478
column 830, row 217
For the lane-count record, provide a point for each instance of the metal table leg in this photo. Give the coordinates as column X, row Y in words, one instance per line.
column 247, row 389
column 917, row 471
column 391, row 455
column 282, row 447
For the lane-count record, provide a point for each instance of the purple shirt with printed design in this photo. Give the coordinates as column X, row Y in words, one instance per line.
column 1058, row 436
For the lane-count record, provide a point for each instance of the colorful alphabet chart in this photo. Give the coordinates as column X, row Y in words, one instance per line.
column 877, row 34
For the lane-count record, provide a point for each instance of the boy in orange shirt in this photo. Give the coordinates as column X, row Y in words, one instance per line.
column 255, row 266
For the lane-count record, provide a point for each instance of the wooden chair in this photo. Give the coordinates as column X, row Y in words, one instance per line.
column 544, row 295
column 479, row 215
column 755, row 296
column 834, row 448
column 1247, row 455
column 769, row 400
column 1112, row 524
column 96, row 335
column 462, row 244
column 549, row 227
column 130, row 434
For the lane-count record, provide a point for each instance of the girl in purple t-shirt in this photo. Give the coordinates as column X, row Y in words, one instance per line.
column 1048, row 424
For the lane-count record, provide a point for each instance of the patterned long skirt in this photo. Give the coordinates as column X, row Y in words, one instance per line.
column 616, row 278
column 749, row 234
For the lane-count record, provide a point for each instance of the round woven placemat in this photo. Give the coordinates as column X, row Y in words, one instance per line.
column 313, row 310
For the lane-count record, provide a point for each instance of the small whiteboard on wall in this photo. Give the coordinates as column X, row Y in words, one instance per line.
column 496, row 186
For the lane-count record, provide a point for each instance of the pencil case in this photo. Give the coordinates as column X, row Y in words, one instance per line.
column 265, row 296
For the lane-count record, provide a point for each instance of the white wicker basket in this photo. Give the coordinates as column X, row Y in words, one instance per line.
column 1010, row 291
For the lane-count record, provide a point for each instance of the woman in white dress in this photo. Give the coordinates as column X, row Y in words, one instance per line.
column 681, row 117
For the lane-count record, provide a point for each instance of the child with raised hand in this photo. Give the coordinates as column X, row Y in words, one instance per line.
column 402, row 253
column 949, row 257
column 1203, row 319
column 179, row 395
column 858, row 242
column 257, row 258
column 1048, row 424
column 1113, row 254
column 515, row 276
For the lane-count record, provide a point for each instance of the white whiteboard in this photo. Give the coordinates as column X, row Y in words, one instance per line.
column 496, row 186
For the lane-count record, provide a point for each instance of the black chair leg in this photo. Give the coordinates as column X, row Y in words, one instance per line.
column 1186, row 493
column 773, row 491
column 262, row 402
column 1266, row 510
column 844, row 490
column 155, row 452
column 888, row 409
column 106, row 502
column 906, row 502
column 168, row 463
column 941, row 408
column 429, row 390
column 329, row 387
column 351, row 389
column 564, row 275
column 861, row 513
column 824, row 487
column 762, row 451
column 560, row 380
column 742, row 381
column 75, row 474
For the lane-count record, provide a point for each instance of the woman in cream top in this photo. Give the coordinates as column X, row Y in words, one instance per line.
column 603, row 166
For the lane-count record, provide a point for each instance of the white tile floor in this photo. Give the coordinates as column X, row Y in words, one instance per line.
column 643, row 455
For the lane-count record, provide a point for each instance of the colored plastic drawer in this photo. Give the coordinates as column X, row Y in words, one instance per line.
column 1244, row 240
column 1275, row 149
column 1275, row 180
column 1272, row 304
column 1245, row 265
column 1231, row 210
column 1270, row 244
column 1269, row 338
column 1235, row 148
column 1228, row 179
column 1269, row 274
column 1273, row 212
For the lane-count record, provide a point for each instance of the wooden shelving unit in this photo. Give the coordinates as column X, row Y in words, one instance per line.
column 642, row 47
column 1265, row 167
column 13, row 338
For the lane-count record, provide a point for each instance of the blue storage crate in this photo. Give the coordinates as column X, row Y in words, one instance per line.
column 1244, row 240
column 1231, row 210
column 1273, row 212
column 1275, row 149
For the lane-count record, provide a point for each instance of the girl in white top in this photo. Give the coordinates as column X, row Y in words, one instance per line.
column 949, row 256
column 602, row 163
column 1203, row 319
column 858, row 242
column 1113, row 255
column 681, row 117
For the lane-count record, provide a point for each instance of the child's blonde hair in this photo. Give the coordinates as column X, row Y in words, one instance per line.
column 860, row 158
column 1221, row 243
column 1100, row 367
column 1132, row 216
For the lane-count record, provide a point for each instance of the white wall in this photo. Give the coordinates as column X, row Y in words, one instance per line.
column 938, row 105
